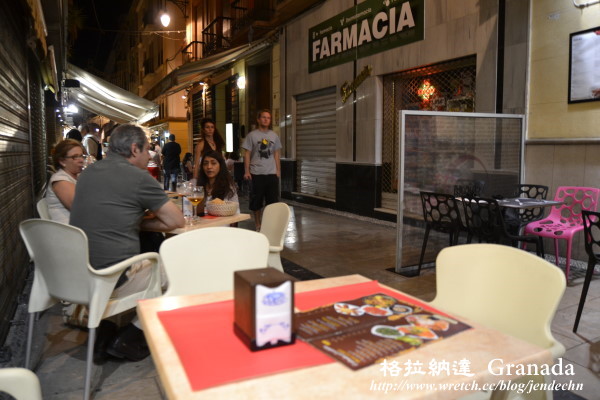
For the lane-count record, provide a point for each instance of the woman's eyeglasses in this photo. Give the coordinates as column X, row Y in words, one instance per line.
column 76, row 157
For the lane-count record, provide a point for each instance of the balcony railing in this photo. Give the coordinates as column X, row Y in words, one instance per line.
column 216, row 36
column 246, row 12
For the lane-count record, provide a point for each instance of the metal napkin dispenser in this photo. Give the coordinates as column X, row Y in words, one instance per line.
column 264, row 308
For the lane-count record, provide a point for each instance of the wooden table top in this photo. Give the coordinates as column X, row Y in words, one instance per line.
column 479, row 345
column 208, row 222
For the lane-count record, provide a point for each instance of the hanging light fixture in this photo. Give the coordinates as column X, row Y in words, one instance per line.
column 165, row 19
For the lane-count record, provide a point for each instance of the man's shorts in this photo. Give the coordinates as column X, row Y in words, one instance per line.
column 265, row 191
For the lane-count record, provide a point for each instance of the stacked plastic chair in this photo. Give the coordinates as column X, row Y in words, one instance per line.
column 565, row 220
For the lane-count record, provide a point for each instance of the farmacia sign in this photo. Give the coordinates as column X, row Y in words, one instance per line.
column 370, row 27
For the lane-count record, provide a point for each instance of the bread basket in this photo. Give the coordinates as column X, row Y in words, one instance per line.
column 222, row 209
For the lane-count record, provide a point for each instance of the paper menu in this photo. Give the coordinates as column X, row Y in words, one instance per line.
column 361, row 331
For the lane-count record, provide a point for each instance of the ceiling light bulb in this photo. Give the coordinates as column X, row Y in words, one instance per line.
column 165, row 20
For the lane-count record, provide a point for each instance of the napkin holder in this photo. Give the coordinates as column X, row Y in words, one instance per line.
column 264, row 308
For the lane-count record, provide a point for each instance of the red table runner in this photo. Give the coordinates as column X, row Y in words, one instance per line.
column 212, row 355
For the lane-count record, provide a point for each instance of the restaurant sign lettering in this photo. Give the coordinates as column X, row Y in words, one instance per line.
column 368, row 28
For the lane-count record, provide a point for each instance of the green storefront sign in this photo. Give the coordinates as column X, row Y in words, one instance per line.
column 368, row 28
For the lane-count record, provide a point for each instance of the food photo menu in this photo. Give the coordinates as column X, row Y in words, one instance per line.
column 361, row 331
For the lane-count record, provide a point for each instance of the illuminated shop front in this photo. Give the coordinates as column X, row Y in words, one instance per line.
column 348, row 69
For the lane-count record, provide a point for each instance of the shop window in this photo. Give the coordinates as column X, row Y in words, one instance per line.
column 448, row 86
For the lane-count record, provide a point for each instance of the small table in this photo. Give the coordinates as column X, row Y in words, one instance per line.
column 523, row 203
column 480, row 345
column 172, row 195
column 203, row 222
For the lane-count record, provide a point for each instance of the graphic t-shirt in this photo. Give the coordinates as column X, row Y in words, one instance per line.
column 262, row 147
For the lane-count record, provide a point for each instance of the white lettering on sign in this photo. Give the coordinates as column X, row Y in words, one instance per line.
column 384, row 23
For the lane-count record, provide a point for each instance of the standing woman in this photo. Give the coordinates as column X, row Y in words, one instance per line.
column 209, row 140
column 68, row 161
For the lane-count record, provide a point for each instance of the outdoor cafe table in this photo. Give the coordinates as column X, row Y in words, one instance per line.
column 523, row 202
column 209, row 221
column 479, row 345
column 203, row 222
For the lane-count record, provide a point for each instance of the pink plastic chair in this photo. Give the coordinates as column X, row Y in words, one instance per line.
column 565, row 220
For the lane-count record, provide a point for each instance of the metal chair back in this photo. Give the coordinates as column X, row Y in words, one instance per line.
column 591, row 230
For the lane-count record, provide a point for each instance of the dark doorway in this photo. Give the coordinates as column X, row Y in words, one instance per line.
column 259, row 90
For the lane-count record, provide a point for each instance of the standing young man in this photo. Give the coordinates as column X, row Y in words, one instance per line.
column 262, row 164
column 171, row 163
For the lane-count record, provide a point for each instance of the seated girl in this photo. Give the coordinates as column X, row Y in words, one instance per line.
column 216, row 179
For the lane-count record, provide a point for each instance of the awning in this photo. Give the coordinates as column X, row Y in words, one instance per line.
column 104, row 98
column 190, row 73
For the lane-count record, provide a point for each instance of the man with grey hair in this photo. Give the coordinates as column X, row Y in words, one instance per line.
column 112, row 198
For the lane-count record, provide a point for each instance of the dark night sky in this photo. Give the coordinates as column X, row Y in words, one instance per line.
column 94, row 42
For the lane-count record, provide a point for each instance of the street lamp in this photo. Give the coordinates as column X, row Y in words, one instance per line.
column 165, row 19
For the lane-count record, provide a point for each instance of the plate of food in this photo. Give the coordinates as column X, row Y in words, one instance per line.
column 416, row 331
column 348, row 309
column 434, row 321
column 376, row 311
column 380, row 300
column 385, row 331
column 401, row 309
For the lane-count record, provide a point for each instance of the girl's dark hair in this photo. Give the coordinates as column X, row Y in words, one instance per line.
column 223, row 185
column 187, row 157
column 219, row 142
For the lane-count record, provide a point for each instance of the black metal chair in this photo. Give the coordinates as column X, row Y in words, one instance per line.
column 517, row 219
column 591, row 231
column 468, row 188
column 441, row 213
column 484, row 220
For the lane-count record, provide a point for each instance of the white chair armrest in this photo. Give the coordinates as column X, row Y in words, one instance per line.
column 275, row 249
column 120, row 267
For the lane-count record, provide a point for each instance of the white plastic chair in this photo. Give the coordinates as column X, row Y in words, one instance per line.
column 63, row 272
column 506, row 289
column 42, row 209
column 503, row 288
column 275, row 220
column 203, row 260
column 20, row 383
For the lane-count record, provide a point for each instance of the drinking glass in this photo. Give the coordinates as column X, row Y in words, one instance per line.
column 196, row 197
column 181, row 188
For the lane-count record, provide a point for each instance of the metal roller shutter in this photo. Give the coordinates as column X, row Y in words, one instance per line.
column 316, row 143
column 15, row 157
